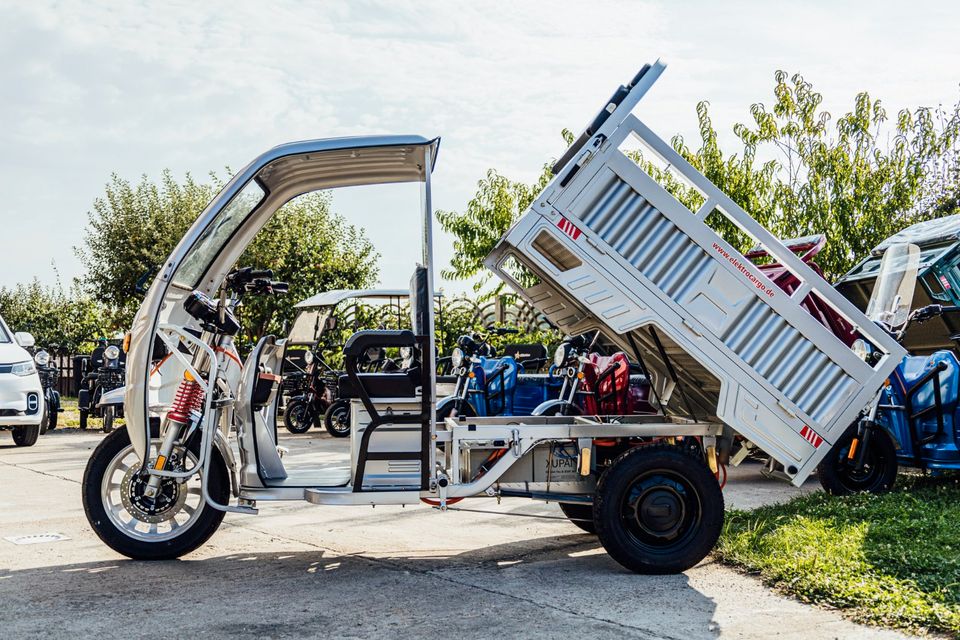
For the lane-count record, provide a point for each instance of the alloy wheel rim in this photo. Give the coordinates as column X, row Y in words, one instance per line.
column 177, row 508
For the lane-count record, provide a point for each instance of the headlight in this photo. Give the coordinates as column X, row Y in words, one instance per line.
column 308, row 357
column 42, row 358
column 23, row 368
column 560, row 355
column 456, row 357
column 861, row 348
column 112, row 352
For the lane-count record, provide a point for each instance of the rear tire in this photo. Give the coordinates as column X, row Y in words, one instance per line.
column 336, row 420
column 52, row 418
column 580, row 515
column 658, row 510
column 296, row 416
column 135, row 543
column 838, row 477
column 26, row 436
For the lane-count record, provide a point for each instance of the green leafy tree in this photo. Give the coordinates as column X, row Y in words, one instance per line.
column 857, row 179
column 131, row 231
column 70, row 320
column 133, row 228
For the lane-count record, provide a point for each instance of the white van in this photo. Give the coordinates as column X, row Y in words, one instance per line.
column 21, row 396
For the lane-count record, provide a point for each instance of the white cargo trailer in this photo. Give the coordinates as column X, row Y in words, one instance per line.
column 607, row 247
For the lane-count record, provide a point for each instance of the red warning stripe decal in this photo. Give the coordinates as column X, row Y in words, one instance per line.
column 811, row 436
column 568, row 228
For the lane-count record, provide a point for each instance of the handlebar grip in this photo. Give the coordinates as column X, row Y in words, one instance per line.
column 280, row 287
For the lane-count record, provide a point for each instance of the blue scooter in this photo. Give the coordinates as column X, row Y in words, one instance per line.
column 488, row 385
column 915, row 420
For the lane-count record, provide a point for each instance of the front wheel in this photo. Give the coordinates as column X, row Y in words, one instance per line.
column 108, row 415
column 658, row 510
column 336, row 420
column 26, row 436
column 297, row 416
column 838, row 475
column 84, row 416
column 174, row 523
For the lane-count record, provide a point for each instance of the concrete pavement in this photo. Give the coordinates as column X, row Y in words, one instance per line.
column 297, row 570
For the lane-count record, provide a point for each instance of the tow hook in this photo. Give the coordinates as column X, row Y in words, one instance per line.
column 442, row 483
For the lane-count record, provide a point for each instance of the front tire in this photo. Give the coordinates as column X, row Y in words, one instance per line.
column 84, row 416
column 336, row 420
column 838, row 477
column 658, row 510
column 297, row 416
column 580, row 515
column 108, row 416
column 26, row 436
column 174, row 524
column 45, row 419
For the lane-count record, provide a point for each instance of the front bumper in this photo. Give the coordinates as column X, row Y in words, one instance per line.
column 21, row 400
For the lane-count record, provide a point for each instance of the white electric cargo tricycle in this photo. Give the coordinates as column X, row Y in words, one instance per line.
column 201, row 441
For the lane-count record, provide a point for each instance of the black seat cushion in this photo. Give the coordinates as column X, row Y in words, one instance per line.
column 400, row 384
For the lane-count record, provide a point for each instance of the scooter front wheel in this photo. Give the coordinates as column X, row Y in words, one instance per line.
column 297, row 416
column 336, row 420
column 108, row 415
column 173, row 523
column 839, row 476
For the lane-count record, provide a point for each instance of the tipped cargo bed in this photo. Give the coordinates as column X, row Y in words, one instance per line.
column 606, row 247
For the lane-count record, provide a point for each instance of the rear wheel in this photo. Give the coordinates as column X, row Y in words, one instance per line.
column 838, row 475
column 580, row 515
column 26, row 436
column 52, row 418
column 336, row 420
column 658, row 510
column 174, row 523
column 297, row 416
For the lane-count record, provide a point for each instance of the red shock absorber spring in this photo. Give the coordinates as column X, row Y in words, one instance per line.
column 189, row 396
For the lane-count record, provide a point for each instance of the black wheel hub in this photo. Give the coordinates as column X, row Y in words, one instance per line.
column 660, row 510
column 168, row 500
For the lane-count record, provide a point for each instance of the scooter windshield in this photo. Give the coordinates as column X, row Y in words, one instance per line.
column 893, row 292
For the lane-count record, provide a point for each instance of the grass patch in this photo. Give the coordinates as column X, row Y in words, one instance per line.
column 69, row 418
column 891, row 560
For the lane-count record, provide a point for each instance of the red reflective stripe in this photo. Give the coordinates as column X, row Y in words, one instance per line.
column 568, row 228
column 811, row 436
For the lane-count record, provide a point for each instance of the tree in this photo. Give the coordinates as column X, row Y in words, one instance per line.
column 843, row 181
column 69, row 320
column 133, row 228
column 857, row 181
column 131, row 231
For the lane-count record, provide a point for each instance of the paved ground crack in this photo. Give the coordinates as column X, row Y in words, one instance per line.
column 42, row 473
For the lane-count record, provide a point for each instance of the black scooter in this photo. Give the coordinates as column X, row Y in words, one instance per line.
column 107, row 372
column 49, row 375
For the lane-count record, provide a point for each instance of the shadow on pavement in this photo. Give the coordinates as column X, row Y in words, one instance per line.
column 552, row 586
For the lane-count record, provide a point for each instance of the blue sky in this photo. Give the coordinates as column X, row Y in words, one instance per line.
column 89, row 88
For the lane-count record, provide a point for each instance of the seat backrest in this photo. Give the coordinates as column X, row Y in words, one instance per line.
column 419, row 301
column 533, row 354
column 611, row 386
column 499, row 390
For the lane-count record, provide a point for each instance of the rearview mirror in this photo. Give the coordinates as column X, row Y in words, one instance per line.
column 330, row 323
column 24, row 339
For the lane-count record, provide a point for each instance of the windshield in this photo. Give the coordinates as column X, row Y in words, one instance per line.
column 893, row 292
column 203, row 253
column 4, row 336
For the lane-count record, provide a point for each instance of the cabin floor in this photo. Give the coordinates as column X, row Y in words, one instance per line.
column 298, row 570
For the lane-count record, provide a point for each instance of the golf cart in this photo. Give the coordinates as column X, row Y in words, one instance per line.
column 745, row 356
